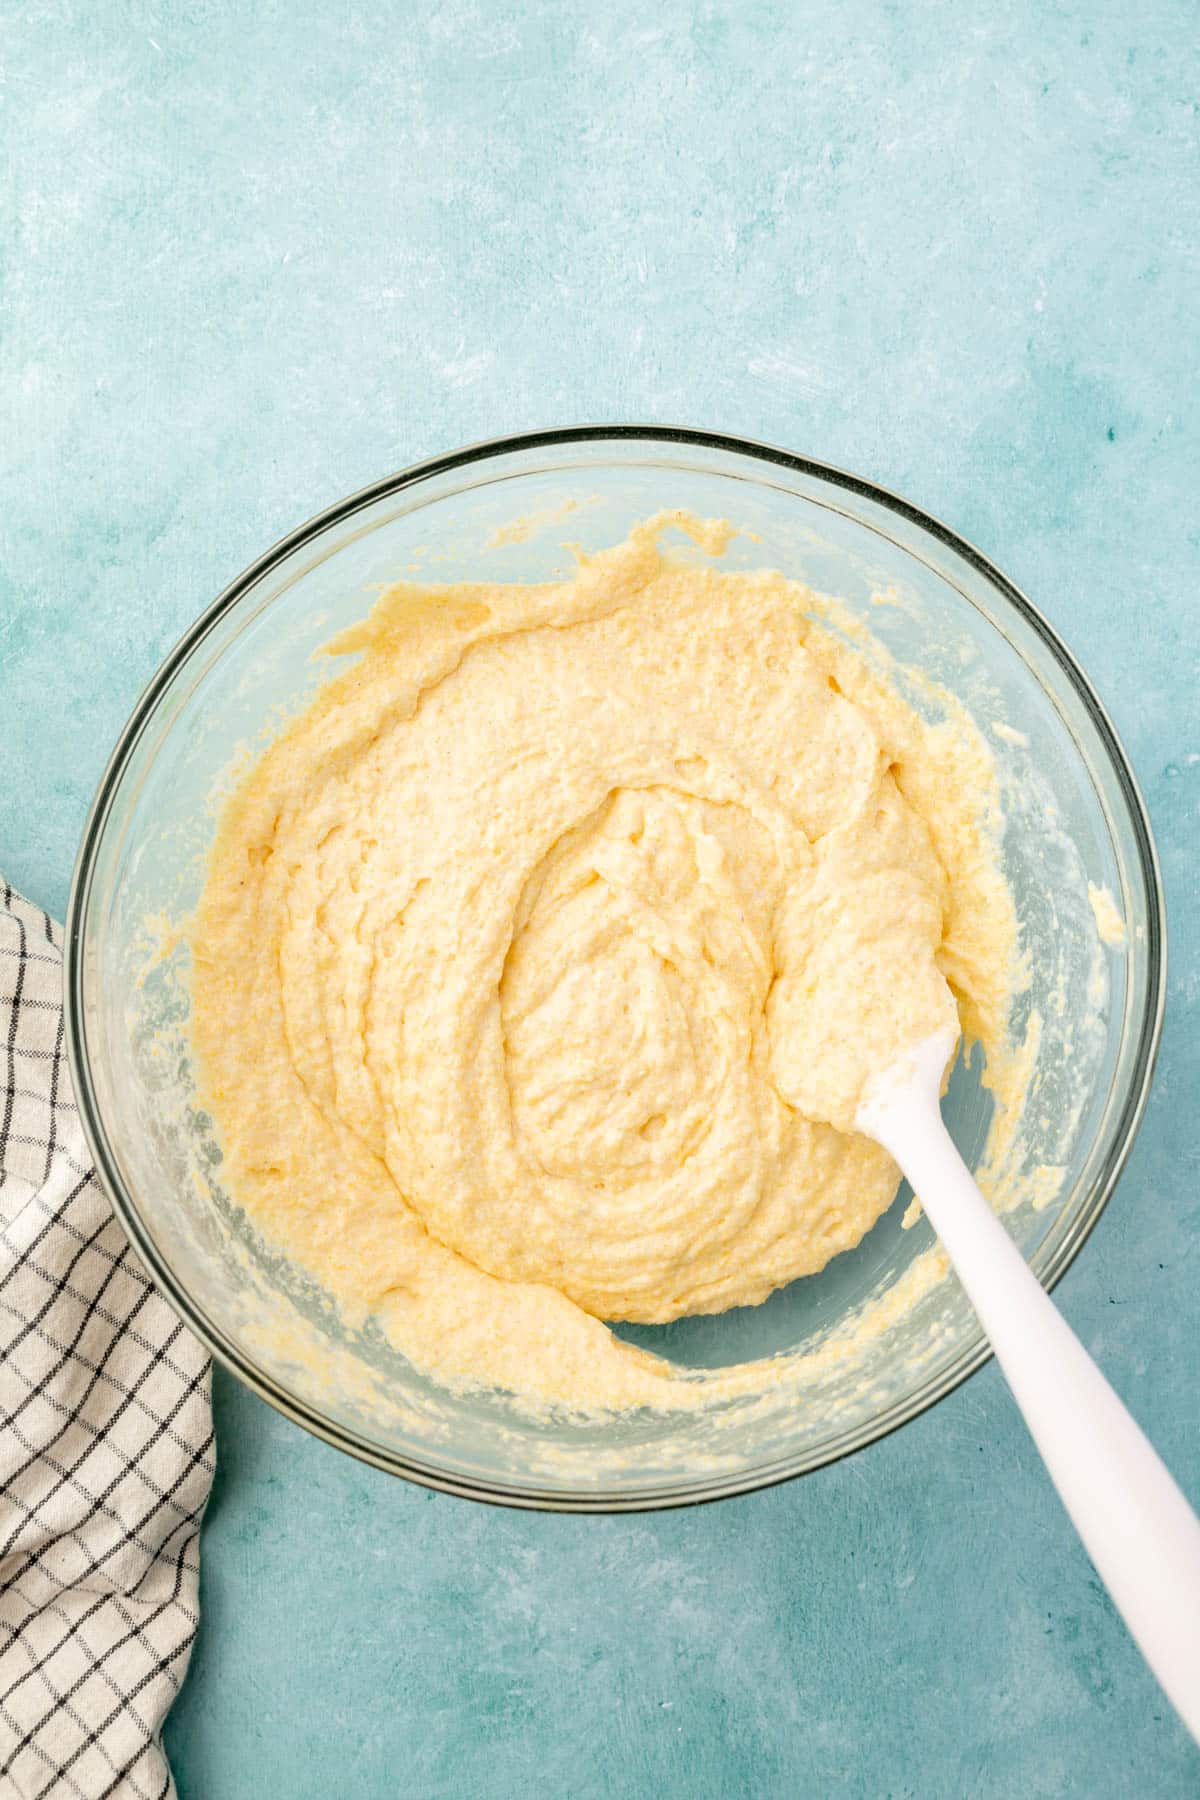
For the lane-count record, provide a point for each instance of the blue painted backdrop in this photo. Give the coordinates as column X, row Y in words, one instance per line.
column 255, row 256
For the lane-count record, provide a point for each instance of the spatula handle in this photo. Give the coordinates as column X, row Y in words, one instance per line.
column 1139, row 1530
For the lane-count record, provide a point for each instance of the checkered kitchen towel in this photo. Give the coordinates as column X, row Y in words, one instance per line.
column 106, row 1447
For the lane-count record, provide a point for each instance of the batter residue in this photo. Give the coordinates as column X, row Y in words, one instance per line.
column 542, row 960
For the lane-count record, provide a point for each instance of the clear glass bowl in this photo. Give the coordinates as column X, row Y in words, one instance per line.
column 1073, row 813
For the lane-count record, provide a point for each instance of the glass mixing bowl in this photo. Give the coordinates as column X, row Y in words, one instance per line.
column 1073, row 817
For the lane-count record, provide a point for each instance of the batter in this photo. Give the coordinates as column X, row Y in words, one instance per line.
column 541, row 961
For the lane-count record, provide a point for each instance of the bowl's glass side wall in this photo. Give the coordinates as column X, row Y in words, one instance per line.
column 1071, row 824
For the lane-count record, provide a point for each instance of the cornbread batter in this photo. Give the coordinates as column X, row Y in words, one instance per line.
column 542, row 960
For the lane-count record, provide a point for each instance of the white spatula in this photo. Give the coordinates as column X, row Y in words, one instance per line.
column 1137, row 1527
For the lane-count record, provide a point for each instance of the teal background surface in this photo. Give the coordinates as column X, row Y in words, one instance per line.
column 254, row 257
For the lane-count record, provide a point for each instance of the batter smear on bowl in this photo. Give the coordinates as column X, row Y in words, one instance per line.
column 541, row 960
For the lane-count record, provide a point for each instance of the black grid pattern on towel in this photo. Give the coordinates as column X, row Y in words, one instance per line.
column 106, row 1446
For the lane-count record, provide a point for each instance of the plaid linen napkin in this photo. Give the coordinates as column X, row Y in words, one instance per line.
column 106, row 1445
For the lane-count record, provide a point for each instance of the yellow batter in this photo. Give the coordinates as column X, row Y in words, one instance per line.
column 542, row 960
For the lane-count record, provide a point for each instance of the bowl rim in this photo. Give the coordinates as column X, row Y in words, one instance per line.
column 668, row 1493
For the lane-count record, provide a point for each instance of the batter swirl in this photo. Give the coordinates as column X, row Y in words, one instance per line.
column 541, row 962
